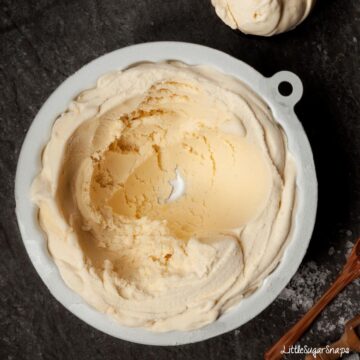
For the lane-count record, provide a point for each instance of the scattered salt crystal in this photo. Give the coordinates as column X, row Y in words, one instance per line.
column 341, row 320
column 348, row 232
column 352, row 357
column 331, row 251
column 305, row 286
column 325, row 327
column 348, row 247
column 349, row 244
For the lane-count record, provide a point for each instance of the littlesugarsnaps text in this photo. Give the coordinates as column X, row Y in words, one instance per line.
column 297, row 349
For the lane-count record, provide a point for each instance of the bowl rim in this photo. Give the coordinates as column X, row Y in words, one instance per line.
column 282, row 107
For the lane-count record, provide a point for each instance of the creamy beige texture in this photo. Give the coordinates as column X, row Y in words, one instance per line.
column 263, row 17
column 105, row 190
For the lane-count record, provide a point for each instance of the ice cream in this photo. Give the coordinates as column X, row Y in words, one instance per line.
column 263, row 17
column 167, row 194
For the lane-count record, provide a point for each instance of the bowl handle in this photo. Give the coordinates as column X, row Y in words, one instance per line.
column 272, row 88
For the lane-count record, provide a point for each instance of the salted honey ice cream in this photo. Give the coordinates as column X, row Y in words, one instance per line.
column 167, row 194
column 263, row 17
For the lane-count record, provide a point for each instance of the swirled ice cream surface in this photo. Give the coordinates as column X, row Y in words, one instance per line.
column 166, row 194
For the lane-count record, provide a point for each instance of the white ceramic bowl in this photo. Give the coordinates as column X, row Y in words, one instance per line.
column 283, row 110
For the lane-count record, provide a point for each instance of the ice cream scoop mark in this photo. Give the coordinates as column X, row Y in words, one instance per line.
column 138, row 178
column 167, row 257
column 212, row 158
column 231, row 15
column 180, row 84
column 178, row 187
column 157, row 151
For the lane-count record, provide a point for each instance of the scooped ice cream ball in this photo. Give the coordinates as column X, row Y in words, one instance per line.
column 263, row 17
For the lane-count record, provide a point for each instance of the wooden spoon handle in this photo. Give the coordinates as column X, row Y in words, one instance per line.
column 275, row 352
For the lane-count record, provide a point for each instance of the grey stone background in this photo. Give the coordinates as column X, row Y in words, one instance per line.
column 42, row 42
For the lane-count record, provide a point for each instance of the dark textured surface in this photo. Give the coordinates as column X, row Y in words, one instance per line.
column 43, row 42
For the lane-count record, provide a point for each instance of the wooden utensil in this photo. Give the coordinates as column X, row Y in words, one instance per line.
column 350, row 272
column 350, row 340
